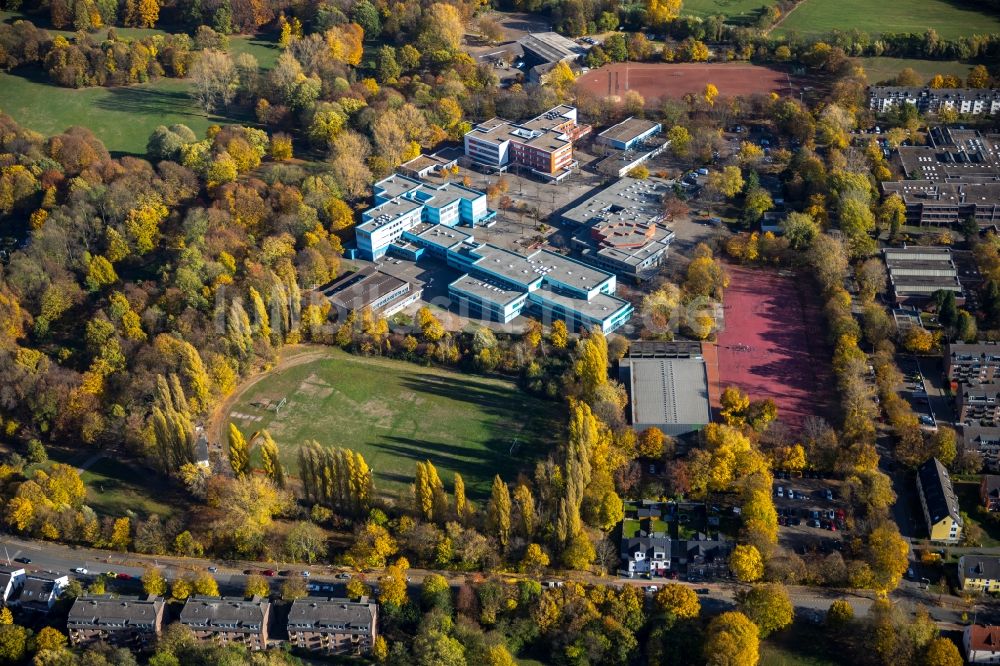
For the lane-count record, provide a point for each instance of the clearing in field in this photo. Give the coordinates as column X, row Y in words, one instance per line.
column 735, row 11
column 950, row 19
column 655, row 81
column 772, row 344
column 396, row 414
column 883, row 69
column 115, row 487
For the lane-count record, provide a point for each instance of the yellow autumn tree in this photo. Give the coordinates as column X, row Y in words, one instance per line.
column 659, row 13
column 710, row 94
column 149, row 13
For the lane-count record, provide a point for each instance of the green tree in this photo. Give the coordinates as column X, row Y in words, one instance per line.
column 257, row 586
column 732, row 640
column 153, row 582
column 435, row 592
column 768, row 606
column 840, row 614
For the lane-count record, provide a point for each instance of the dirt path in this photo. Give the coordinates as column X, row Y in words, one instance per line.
column 784, row 16
column 288, row 357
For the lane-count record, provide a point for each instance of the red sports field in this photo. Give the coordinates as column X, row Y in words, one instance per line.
column 657, row 80
column 773, row 344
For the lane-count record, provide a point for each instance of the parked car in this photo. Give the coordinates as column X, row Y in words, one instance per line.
column 781, row 491
column 123, row 576
column 213, row 569
column 80, row 570
column 702, row 590
column 306, row 574
column 651, row 589
column 813, row 523
column 343, row 576
column 829, row 494
column 269, row 572
column 23, row 560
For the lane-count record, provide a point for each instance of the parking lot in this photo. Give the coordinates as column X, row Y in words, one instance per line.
column 810, row 509
column 926, row 396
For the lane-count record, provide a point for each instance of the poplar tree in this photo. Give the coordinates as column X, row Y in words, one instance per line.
column 193, row 370
column 239, row 451
column 524, row 504
column 270, row 462
column 170, row 419
column 238, row 330
column 498, row 512
column 461, row 504
column 261, row 322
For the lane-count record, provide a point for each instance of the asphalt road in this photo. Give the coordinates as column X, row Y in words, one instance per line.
column 811, row 602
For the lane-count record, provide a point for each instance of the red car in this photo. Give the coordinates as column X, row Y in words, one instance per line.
column 123, row 576
column 269, row 572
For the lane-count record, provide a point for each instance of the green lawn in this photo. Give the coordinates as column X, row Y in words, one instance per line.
column 802, row 644
column 968, row 501
column 949, row 19
column 114, row 487
column 123, row 118
column 883, row 69
column 736, row 11
column 396, row 414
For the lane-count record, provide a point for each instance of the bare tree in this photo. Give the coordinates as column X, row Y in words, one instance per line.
column 215, row 79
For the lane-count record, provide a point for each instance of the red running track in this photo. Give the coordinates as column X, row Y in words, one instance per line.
column 773, row 344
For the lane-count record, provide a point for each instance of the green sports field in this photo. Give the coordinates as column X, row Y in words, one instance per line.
column 397, row 413
column 949, row 19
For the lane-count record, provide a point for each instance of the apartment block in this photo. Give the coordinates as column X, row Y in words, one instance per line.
column 976, row 363
column 133, row 622
column 229, row 620
column 333, row 626
column 403, row 202
column 40, row 590
column 979, row 573
column 939, row 502
column 969, row 101
column 985, row 440
column 978, row 404
column 544, row 144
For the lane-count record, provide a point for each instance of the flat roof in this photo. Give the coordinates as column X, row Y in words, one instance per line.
column 625, row 200
column 599, row 307
column 569, row 271
column 668, row 390
column 516, row 268
column 396, row 185
column 387, row 212
column 628, row 129
column 491, row 291
column 440, row 235
column 550, row 46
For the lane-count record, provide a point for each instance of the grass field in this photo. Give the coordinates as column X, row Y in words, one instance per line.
column 736, row 11
column 949, row 19
column 123, row 118
column 113, row 489
column 802, row 644
column 884, row 69
column 396, row 414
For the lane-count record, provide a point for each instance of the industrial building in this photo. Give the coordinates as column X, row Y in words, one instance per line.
column 621, row 228
column 939, row 502
column 915, row 273
column 629, row 133
column 402, row 202
column 956, row 176
column 543, row 145
column 667, row 385
column 968, row 101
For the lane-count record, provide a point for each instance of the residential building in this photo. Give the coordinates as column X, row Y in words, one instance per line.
column 989, row 492
column 968, row 101
column 979, row 404
column 939, row 502
column 629, row 133
column 705, row 555
column 229, row 620
column 981, row 643
column 41, row 589
column 646, row 555
column 667, row 386
column 370, row 288
column 915, row 273
column 333, row 626
column 954, row 177
column 11, row 582
column 975, row 363
column 985, row 440
column 622, row 229
column 543, row 145
column 403, row 202
column 132, row 622
column 979, row 573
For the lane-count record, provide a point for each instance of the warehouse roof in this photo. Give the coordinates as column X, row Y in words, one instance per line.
column 667, row 390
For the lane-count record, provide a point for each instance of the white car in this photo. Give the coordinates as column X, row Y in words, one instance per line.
column 781, row 491
column 80, row 570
